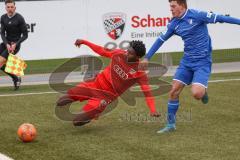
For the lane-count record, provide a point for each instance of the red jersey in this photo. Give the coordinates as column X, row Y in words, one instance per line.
column 120, row 75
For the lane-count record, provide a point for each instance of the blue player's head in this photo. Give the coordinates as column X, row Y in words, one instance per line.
column 178, row 7
column 136, row 50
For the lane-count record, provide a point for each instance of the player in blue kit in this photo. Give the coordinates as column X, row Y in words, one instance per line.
column 195, row 66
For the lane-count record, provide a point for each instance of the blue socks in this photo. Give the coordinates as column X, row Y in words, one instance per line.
column 172, row 110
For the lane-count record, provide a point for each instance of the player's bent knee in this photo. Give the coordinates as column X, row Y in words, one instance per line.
column 177, row 87
column 174, row 93
column 198, row 91
column 198, row 94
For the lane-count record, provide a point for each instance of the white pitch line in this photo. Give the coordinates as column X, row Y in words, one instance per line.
column 223, row 80
column 26, row 94
column 4, row 157
column 41, row 93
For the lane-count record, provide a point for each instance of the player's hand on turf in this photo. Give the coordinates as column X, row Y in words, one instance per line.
column 155, row 114
column 143, row 64
column 78, row 42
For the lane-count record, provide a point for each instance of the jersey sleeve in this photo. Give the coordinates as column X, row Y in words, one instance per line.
column 206, row 17
column 23, row 28
column 3, row 30
column 101, row 50
column 160, row 40
column 146, row 89
column 210, row 17
column 227, row 19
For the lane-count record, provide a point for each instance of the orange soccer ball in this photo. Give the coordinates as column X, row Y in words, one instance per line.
column 27, row 132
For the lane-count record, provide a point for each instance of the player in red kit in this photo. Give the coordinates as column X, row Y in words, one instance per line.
column 122, row 73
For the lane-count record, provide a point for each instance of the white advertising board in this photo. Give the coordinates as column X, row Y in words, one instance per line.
column 55, row 25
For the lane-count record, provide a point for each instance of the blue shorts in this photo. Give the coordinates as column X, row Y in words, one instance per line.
column 187, row 74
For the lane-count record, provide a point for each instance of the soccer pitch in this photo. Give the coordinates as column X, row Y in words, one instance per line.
column 209, row 132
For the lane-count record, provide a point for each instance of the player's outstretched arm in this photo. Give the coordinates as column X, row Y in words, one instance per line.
column 227, row 19
column 150, row 101
column 210, row 17
column 160, row 40
column 157, row 44
column 96, row 48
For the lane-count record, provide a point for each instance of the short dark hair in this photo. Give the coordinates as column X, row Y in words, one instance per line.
column 139, row 47
column 180, row 2
column 9, row 1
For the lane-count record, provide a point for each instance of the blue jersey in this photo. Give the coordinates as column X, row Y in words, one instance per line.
column 192, row 28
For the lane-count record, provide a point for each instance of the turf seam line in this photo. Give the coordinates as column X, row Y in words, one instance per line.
column 40, row 93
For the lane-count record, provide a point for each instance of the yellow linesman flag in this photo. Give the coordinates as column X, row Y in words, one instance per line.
column 15, row 65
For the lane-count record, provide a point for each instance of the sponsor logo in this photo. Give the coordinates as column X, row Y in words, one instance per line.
column 120, row 72
column 149, row 21
column 114, row 24
column 30, row 27
column 164, row 32
column 190, row 21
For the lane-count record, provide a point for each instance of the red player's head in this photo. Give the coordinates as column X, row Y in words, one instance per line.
column 136, row 50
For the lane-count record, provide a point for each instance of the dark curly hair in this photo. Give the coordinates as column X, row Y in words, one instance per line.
column 139, row 47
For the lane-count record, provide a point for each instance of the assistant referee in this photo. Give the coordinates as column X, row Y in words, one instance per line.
column 13, row 33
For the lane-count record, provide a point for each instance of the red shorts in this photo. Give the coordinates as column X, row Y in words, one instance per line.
column 98, row 99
